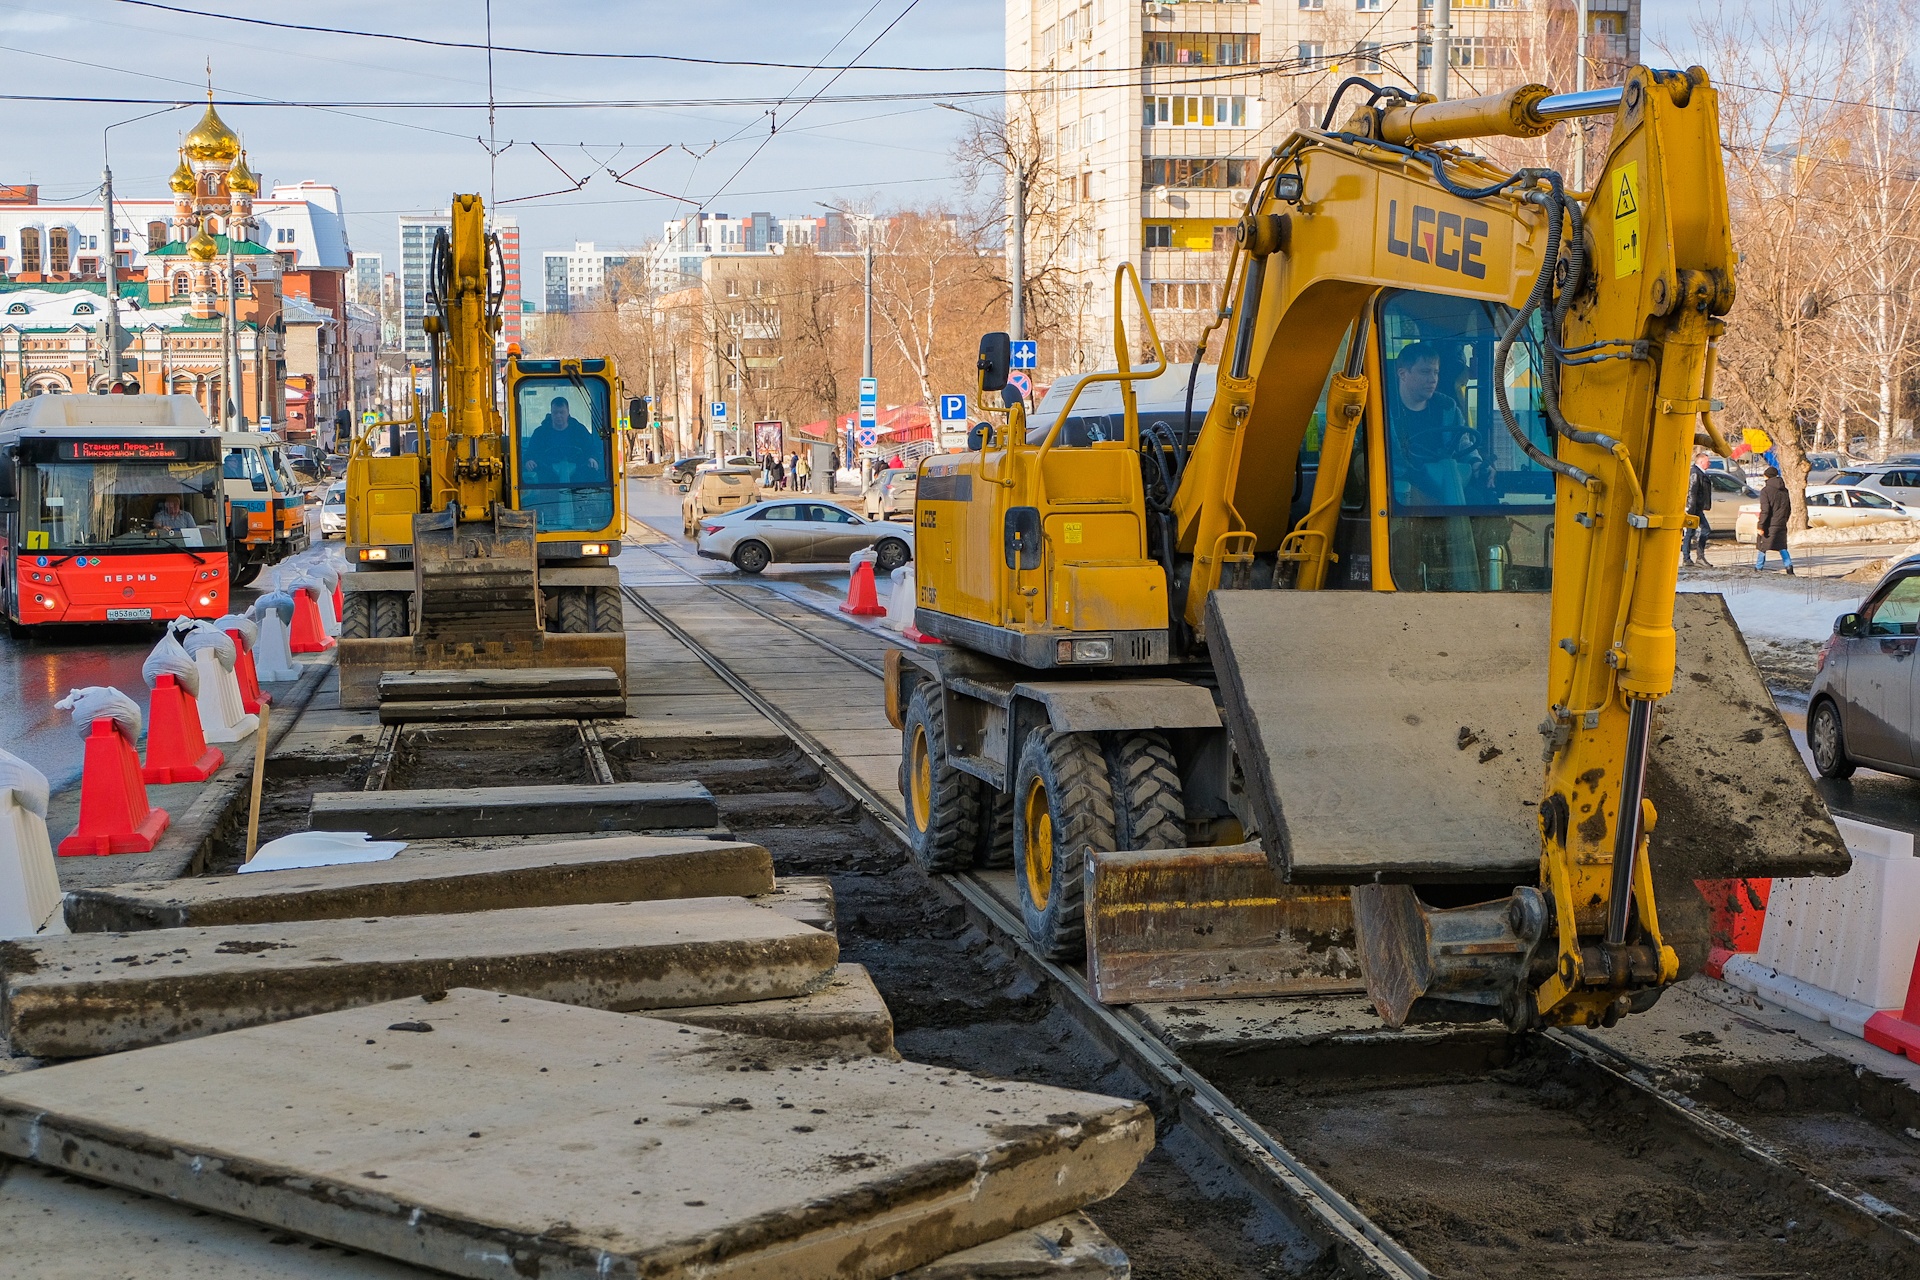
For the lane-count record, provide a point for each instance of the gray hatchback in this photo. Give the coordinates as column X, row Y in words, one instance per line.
column 1861, row 711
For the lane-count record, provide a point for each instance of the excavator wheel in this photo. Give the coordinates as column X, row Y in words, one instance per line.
column 944, row 806
column 1062, row 807
column 390, row 612
column 356, row 616
column 607, row 612
column 1149, row 810
column 996, row 829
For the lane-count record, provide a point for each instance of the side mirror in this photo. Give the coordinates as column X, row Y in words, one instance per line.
column 996, row 361
column 1849, row 626
column 7, row 459
column 978, row 435
column 637, row 413
column 1023, row 538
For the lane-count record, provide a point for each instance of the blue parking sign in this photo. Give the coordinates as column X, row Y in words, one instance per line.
column 719, row 410
column 1026, row 354
column 953, row 408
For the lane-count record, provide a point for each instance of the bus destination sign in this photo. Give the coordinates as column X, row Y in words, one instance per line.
column 123, row 451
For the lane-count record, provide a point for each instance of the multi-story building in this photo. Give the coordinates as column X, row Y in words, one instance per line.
column 674, row 261
column 572, row 279
column 363, row 286
column 416, row 252
column 508, row 229
column 1153, row 118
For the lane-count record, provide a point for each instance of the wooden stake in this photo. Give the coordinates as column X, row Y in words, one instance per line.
column 259, row 776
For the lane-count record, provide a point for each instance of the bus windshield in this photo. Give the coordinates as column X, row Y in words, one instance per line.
column 83, row 506
column 565, row 444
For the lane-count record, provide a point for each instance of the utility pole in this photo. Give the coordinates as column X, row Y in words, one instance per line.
column 1580, row 86
column 866, row 359
column 1443, row 46
column 1017, row 250
column 230, row 334
column 113, row 287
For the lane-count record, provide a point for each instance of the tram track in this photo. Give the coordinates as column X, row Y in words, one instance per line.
column 1226, row 1115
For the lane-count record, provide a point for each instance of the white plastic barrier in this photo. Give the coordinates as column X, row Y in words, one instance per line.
column 223, row 716
column 29, row 885
column 900, row 602
column 273, row 658
column 1840, row 950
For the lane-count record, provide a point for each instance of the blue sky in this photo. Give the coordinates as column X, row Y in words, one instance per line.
column 391, row 161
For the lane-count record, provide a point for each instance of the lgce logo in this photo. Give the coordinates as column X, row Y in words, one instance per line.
column 1438, row 237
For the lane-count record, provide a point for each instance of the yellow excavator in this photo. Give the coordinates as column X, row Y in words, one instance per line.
column 1374, row 672
column 481, row 542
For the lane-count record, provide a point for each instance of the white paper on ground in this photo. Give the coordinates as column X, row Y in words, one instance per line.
column 321, row 849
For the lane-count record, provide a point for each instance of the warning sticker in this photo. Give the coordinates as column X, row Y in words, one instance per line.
column 1072, row 530
column 1625, row 195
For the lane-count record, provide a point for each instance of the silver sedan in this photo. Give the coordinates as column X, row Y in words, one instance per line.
column 798, row 531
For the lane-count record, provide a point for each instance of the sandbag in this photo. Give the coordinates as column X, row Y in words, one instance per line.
column 27, row 783
column 170, row 658
column 277, row 600
column 94, row 701
column 249, row 629
column 204, row 635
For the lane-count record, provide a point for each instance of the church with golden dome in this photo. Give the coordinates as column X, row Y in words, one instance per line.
column 213, row 225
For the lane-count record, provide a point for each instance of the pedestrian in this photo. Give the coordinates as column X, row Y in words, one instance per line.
column 1693, row 542
column 1772, row 533
column 779, row 475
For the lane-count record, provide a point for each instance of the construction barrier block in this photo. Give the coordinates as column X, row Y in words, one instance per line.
column 863, row 597
column 243, row 669
column 29, row 885
column 177, row 750
column 309, row 629
column 1738, row 909
column 114, row 814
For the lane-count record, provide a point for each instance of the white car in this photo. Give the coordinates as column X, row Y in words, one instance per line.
column 333, row 511
column 1831, row 505
column 801, row 531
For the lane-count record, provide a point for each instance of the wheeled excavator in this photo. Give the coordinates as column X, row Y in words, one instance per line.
column 481, row 543
column 1375, row 672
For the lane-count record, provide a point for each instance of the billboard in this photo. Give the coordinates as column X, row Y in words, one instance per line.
column 769, row 437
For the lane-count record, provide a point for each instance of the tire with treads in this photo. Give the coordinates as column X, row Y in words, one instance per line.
column 573, row 610
column 1149, row 809
column 606, row 610
column 943, row 804
column 390, row 615
column 247, row 573
column 356, row 616
column 1062, row 808
column 996, row 829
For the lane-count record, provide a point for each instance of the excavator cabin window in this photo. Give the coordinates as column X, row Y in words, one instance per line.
column 1467, row 510
column 564, row 443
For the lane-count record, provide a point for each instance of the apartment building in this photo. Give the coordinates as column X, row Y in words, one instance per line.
column 676, row 259
column 572, row 278
column 1154, row 117
column 416, row 254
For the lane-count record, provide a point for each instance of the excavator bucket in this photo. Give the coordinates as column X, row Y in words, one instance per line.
column 1392, row 739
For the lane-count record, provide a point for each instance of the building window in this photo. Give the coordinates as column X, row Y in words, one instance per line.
column 17, row 309
column 1367, row 55
column 57, row 254
column 89, row 266
column 1181, row 295
column 181, row 287
column 1213, row 175
column 1312, row 51
column 1182, row 111
column 83, row 309
column 1203, row 49
column 30, row 250
column 1159, row 235
column 1313, row 4
column 1367, row 6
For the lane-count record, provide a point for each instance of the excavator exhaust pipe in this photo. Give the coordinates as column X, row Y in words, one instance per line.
column 1452, row 964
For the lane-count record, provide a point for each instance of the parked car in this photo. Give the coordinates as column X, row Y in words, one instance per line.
column 681, row 469
column 333, row 511
column 337, row 467
column 1860, row 710
column 789, row 532
column 1834, row 505
column 1821, row 467
column 890, row 495
column 715, row 491
column 1730, row 491
column 1893, row 480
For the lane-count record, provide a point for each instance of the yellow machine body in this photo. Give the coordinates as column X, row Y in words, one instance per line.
column 1366, row 255
column 483, row 539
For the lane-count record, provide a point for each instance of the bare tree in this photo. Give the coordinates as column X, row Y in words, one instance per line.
column 934, row 289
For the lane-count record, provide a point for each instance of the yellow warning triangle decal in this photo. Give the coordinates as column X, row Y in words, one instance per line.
column 1625, row 204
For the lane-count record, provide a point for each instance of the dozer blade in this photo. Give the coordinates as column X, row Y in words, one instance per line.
column 1392, row 739
column 476, row 580
column 1200, row 924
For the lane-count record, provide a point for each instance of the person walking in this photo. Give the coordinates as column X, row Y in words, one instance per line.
column 1772, row 533
column 1693, row 542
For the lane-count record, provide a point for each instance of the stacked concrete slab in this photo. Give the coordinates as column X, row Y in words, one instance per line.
column 490, row 1135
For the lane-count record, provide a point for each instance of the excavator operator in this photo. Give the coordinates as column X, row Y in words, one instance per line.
column 563, row 449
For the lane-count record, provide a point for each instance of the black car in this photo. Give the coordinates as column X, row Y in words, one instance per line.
column 682, row 470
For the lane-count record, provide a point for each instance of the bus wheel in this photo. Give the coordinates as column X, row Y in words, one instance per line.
column 246, row 573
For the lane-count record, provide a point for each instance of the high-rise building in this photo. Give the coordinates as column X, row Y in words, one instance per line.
column 416, row 255
column 363, row 284
column 571, row 279
column 674, row 261
column 508, row 229
column 1153, row 118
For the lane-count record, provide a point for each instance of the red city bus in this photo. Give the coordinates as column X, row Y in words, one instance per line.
column 112, row 509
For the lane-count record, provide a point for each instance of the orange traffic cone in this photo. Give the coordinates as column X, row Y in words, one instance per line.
column 1898, row 1030
column 863, row 599
column 251, row 695
column 309, row 632
column 114, row 814
column 177, row 750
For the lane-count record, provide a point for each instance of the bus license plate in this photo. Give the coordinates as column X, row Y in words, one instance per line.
column 129, row 615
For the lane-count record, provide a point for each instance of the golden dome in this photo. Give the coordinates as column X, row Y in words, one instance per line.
column 240, row 179
column 182, row 180
column 211, row 140
column 202, row 248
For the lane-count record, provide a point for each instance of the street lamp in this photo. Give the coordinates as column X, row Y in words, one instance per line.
column 113, row 287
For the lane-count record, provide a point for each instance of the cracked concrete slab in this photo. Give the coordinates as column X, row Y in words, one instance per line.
column 94, row 993
column 562, row 873
column 490, row 1135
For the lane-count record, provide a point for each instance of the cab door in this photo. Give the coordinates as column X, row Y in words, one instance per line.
column 837, row 532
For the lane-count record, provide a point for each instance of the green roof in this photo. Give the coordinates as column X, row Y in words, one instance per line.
column 178, row 248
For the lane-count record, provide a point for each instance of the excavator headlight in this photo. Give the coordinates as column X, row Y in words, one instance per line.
column 594, row 549
column 373, row 553
column 1287, row 187
column 1084, row 651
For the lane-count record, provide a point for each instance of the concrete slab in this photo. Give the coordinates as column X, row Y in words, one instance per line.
column 561, row 873
column 808, row 899
column 1070, row 1246
column 531, row 682
column 94, row 993
column 847, row 1017
column 475, row 811
column 518, row 1137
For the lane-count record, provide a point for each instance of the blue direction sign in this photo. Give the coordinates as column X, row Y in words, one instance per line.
column 953, row 408
column 1026, row 355
column 719, row 410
